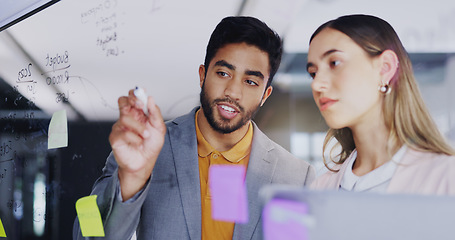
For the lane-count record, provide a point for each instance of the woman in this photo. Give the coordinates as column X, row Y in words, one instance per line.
column 364, row 86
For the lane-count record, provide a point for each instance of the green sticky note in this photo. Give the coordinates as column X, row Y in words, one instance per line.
column 58, row 130
column 2, row 230
column 89, row 217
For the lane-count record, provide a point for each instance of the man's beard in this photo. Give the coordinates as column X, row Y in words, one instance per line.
column 223, row 125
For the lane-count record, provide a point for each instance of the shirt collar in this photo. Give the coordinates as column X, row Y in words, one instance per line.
column 235, row 154
column 378, row 176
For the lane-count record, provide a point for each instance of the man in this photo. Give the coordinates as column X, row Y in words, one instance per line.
column 155, row 181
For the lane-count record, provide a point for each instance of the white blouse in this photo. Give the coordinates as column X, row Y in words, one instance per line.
column 375, row 181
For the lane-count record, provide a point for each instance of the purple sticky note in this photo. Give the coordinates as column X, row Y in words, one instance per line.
column 285, row 219
column 228, row 191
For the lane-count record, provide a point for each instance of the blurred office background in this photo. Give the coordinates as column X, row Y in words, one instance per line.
column 82, row 55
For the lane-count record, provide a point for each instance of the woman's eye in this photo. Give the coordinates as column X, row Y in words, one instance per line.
column 335, row 63
column 311, row 71
column 312, row 74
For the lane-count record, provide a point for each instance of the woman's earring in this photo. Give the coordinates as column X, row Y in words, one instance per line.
column 385, row 89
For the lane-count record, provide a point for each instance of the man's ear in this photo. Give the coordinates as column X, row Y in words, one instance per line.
column 389, row 65
column 266, row 95
column 201, row 74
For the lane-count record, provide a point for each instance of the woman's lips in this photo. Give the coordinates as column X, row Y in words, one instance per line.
column 325, row 103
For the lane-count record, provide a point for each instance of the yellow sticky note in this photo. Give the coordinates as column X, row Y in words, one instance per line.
column 2, row 230
column 58, row 130
column 89, row 217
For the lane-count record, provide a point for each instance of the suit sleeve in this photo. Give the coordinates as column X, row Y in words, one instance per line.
column 310, row 175
column 120, row 219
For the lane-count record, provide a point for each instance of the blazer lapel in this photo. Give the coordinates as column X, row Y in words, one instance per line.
column 260, row 170
column 184, row 148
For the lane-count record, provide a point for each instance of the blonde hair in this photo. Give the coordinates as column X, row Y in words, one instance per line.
column 405, row 113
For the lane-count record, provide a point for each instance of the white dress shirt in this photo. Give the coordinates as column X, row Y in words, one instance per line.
column 375, row 181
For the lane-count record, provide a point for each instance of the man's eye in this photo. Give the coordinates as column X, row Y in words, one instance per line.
column 223, row 74
column 250, row 82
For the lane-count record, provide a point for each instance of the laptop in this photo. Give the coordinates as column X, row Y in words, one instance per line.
column 297, row 213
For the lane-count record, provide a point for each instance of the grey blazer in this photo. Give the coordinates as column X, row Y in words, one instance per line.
column 169, row 207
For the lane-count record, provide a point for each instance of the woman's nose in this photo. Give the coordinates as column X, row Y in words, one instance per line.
column 320, row 82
